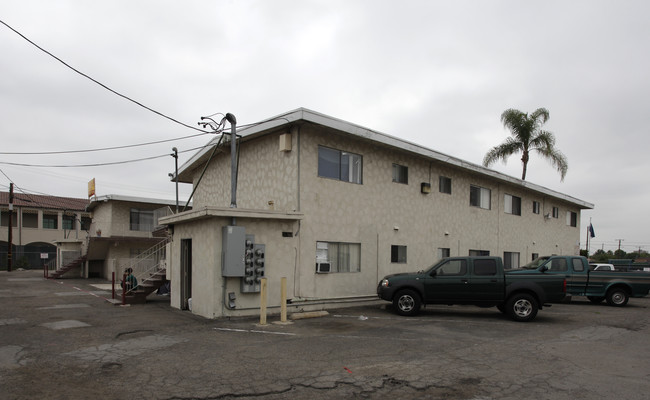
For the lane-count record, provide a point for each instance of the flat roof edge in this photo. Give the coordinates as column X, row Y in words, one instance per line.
column 211, row 212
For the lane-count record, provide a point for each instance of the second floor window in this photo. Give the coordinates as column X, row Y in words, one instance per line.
column 50, row 221
column 400, row 174
column 341, row 165
column 85, row 223
column 445, row 185
column 556, row 212
column 68, row 222
column 536, row 207
column 141, row 220
column 512, row 204
column 571, row 218
column 479, row 197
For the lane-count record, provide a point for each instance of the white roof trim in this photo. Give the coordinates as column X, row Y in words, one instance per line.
column 132, row 199
column 365, row 133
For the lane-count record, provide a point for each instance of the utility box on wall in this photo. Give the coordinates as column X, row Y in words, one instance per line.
column 234, row 247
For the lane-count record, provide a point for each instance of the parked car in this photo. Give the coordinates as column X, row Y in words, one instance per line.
column 614, row 286
column 480, row 281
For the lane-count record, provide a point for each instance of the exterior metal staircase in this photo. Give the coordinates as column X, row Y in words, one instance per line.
column 56, row 274
column 139, row 294
column 149, row 268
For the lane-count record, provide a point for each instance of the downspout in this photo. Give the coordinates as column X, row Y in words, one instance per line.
column 233, row 160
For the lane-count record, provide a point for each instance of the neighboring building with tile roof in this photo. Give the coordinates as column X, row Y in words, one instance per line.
column 38, row 222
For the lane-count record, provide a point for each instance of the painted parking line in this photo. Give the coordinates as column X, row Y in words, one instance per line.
column 63, row 306
column 12, row 321
column 99, row 294
column 254, row 331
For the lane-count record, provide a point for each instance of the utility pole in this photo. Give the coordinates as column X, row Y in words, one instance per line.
column 175, row 155
column 619, row 243
column 11, row 230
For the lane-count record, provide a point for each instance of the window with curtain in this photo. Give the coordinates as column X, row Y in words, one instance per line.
column 510, row 260
column 342, row 257
column 512, row 204
column 571, row 218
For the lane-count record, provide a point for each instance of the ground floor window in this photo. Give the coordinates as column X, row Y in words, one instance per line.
column 510, row 260
column 479, row 253
column 398, row 254
column 338, row 257
column 443, row 252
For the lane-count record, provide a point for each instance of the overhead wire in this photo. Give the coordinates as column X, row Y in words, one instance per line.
column 99, row 83
column 103, row 148
column 94, row 164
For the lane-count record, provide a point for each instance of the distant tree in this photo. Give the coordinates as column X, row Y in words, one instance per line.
column 602, row 256
column 620, row 254
column 527, row 136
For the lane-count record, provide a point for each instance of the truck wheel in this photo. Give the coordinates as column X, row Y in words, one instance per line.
column 522, row 307
column 617, row 297
column 596, row 299
column 407, row 302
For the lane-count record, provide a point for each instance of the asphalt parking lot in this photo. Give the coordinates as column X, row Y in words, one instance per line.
column 63, row 340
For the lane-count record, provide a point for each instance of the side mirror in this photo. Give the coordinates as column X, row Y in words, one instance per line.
column 434, row 272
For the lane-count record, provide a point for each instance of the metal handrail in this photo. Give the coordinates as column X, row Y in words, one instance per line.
column 147, row 263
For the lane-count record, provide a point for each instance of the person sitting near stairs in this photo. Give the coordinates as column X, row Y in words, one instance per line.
column 130, row 281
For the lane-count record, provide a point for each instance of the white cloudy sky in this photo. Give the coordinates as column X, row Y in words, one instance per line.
column 438, row 73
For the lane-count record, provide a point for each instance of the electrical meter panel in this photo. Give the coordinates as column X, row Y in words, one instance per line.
column 242, row 258
column 254, row 266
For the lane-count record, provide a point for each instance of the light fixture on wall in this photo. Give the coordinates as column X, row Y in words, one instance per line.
column 396, row 228
column 425, row 188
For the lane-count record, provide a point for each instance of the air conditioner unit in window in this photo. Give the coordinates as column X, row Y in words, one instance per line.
column 323, row 268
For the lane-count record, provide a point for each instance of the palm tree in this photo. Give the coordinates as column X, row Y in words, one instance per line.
column 527, row 136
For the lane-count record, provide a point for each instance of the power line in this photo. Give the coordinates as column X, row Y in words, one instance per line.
column 104, row 148
column 95, row 164
column 99, row 83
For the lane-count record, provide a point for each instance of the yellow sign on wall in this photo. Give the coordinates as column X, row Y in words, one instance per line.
column 91, row 188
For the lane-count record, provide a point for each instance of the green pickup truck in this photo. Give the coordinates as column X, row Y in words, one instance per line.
column 614, row 286
column 480, row 281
